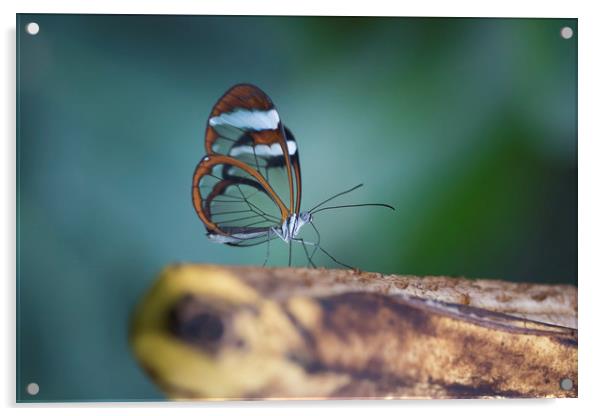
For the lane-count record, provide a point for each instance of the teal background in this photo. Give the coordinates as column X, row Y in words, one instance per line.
column 466, row 126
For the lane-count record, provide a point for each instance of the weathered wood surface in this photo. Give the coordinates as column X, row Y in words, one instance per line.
column 212, row 332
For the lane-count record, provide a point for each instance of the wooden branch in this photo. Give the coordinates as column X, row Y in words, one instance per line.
column 214, row 332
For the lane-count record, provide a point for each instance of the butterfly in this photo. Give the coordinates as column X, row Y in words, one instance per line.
column 247, row 188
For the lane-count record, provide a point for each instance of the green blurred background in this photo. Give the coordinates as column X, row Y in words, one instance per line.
column 467, row 126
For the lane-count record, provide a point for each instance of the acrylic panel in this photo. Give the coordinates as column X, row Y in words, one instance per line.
column 191, row 225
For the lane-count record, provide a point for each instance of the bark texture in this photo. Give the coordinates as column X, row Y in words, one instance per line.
column 213, row 332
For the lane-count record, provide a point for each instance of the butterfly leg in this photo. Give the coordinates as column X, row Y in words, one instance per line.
column 267, row 254
column 335, row 260
column 309, row 260
column 317, row 246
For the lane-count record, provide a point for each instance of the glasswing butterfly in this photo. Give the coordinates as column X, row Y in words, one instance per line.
column 247, row 188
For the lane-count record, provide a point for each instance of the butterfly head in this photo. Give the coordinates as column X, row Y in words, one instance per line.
column 291, row 227
column 297, row 221
column 305, row 217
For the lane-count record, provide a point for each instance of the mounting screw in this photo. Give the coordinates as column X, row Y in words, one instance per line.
column 32, row 28
column 33, row 389
column 566, row 32
column 566, row 384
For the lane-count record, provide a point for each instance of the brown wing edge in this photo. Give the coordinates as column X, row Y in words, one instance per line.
column 205, row 167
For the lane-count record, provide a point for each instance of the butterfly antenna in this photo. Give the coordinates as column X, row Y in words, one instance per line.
column 355, row 205
column 336, row 196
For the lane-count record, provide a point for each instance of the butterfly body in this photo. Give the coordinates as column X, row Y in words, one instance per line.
column 287, row 231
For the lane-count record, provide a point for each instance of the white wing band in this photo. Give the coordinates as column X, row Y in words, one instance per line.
column 264, row 150
column 248, row 119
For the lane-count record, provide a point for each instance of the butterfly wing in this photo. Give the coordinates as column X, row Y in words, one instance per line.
column 251, row 167
column 236, row 204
